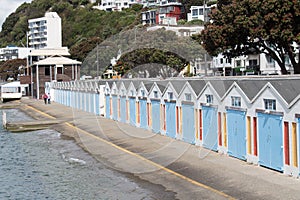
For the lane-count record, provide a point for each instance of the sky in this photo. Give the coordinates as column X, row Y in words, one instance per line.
column 7, row 7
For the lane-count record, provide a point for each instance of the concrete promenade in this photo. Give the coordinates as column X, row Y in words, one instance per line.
column 184, row 171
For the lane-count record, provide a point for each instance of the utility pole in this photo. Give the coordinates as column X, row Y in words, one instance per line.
column 205, row 54
column 97, row 63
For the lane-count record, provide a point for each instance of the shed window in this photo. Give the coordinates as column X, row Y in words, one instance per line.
column 155, row 94
column 188, row 96
column 143, row 93
column 270, row 104
column 209, row 98
column 47, row 71
column 170, row 95
column 236, row 101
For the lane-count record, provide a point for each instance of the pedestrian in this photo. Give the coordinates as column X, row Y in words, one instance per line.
column 49, row 98
column 45, row 97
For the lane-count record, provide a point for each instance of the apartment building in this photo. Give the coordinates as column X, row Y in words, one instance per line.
column 13, row 52
column 45, row 32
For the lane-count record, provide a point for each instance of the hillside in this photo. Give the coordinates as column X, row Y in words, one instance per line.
column 83, row 27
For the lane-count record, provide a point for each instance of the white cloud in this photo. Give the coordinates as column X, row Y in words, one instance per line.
column 7, row 7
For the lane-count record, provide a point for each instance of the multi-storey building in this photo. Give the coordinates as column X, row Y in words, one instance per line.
column 149, row 17
column 116, row 5
column 45, row 32
column 12, row 52
column 169, row 12
column 199, row 12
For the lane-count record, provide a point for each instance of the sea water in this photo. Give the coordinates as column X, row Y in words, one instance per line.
column 42, row 165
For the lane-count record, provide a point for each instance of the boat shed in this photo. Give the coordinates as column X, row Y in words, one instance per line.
column 55, row 68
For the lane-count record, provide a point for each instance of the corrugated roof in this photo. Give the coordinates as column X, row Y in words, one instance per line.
column 50, row 52
column 57, row 61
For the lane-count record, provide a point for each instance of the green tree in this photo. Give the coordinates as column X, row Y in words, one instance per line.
column 271, row 27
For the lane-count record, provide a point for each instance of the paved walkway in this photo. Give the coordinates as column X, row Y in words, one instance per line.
column 191, row 172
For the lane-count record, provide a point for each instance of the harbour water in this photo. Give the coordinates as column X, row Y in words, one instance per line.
column 42, row 165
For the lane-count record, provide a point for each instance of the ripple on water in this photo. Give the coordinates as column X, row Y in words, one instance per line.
column 40, row 165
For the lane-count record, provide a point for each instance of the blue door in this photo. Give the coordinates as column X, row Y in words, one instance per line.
column 270, row 148
column 97, row 104
column 123, row 109
column 107, row 106
column 115, row 107
column 132, row 111
column 188, row 123
column 171, row 119
column 143, row 113
column 155, row 116
column 210, row 128
column 236, row 131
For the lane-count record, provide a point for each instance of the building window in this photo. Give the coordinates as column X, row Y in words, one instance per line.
column 170, row 95
column 59, row 70
column 143, row 93
column 188, row 96
column 236, row 101
column 195, row 12
column 155, row 94
column 132, row 93
column 209, row 98
column 123, row 92
column 47, row 71
column 201, row 11
column 238, row 63
column 270, row 104
column 253, row 62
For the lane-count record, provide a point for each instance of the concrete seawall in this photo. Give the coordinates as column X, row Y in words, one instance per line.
column 190, row 172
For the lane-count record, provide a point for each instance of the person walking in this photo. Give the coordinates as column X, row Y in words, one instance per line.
column 49, row 98
column 45, row 97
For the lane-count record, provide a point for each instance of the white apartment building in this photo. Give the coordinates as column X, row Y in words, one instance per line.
column 116, row 5
column 45, row 32
column 13, row 52
column 248, row 65
column 199, row 12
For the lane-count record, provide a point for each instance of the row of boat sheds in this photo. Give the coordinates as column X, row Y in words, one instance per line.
column 255, row 119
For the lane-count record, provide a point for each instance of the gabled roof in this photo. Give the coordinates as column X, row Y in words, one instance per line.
column 221, row 86
column 197, row 85
column 289, row 89
column 178, row 85
column 162, row 85
column 251, row 87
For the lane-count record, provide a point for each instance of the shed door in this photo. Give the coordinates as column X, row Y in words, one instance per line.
column 170, row 119
column 143, row 113
column 210, row 128
column 97, row 102
column 107, row 106
column 123, row 109
column 270, row 149
column 92, row 102
column 188, row 123
column 155, row 116
column 132, row 111
column 236, row 131
column 115, row 107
